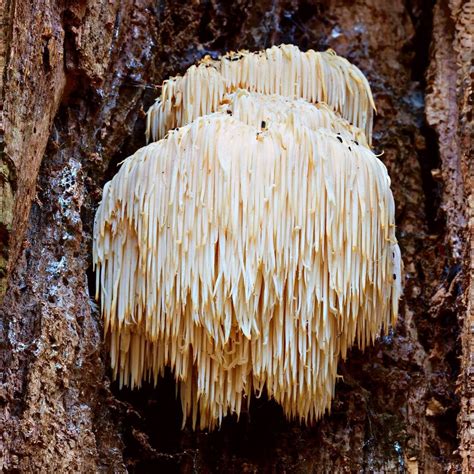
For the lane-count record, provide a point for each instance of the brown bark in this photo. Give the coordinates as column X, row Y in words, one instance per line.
column 75, row 78
column 449, row 111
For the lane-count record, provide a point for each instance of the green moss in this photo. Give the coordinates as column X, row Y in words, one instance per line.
column 6, row 220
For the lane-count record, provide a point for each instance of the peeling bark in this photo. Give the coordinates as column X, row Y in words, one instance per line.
column 449, row 112
column 75, row 79
column 32, row 86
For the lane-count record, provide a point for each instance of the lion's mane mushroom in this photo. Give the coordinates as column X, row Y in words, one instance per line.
column 251, row 247
column 261, row 109
column 283, row 70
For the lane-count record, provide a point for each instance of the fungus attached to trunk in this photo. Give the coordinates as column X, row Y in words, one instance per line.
column 251, row 247
column 284, row 70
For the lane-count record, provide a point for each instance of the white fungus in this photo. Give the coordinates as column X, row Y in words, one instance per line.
column 250, row 248
column 284, row 70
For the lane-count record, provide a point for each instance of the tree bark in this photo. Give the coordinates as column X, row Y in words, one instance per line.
column 75, row 79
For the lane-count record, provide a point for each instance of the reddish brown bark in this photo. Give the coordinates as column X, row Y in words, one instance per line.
column 449, row 111
column 77, row 77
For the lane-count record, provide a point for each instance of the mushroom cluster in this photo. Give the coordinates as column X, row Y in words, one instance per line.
column 253, row 242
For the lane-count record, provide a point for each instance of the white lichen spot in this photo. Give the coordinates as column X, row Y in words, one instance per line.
column 336, row 32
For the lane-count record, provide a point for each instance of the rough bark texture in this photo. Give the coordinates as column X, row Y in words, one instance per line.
column 449, row 102
column 75, row 79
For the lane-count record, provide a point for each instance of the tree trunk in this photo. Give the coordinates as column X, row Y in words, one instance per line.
column 75, row 78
